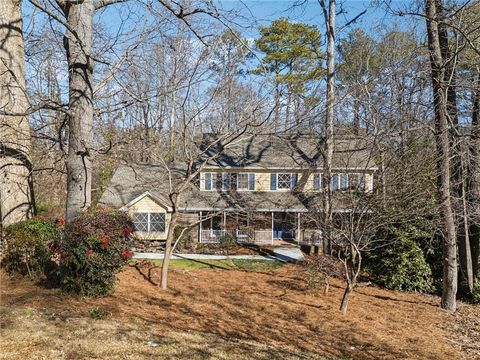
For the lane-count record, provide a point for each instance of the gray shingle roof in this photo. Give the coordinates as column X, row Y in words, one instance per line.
column 131, row 181
column 290, row 151
column 253, row 152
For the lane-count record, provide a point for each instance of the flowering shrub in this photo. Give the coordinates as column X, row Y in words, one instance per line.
column 30, row 245
column 96, row 246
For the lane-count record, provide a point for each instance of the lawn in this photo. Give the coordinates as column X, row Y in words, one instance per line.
column 241, row 313
column 224, row 264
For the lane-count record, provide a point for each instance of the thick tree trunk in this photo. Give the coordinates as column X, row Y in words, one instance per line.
column 16, row 187
column 328, row 148
column 168, row 250
column 80, row 122
column 474, row 183
column 442, row 139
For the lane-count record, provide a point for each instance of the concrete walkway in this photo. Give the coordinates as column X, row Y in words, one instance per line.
column 278, row 254
column 288, row 254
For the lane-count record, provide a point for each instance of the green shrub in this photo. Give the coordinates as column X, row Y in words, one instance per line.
column 96, row 246
column 400, row 264
column 30, row 245
column 227, row 241
column 476, row 293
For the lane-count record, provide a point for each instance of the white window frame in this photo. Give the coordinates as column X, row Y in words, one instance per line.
column 246, row 188
column 289, row 182
column 149, row 224
column 213, row 180
column 339, row 182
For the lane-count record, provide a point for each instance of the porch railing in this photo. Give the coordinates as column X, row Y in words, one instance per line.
column 258, row 237
column 213, row 236
column 315, row 239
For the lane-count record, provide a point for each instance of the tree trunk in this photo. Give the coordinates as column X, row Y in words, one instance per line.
column 277, row 108
column 328, row 149
column 474, row 183
column 16, row 187
column 442, row 139
column 346, row 298
column 356, row 112
column 168, row 250
column 80, row 121
column 464, row 247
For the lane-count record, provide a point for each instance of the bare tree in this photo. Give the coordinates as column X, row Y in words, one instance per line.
column 329, row 17
column 196, row 155
column 439, row 57
column 16, row 187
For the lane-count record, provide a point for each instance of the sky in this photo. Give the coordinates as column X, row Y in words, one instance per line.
column 255, row 13
column 310, row 12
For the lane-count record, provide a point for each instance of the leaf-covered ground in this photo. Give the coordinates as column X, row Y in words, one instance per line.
column 230, row 314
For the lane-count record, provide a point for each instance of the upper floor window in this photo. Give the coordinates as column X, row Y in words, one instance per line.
column 357, row 182
column 361, row 181
column 245, row 181
column 282, row 181
column 339, row 182
column 210, row 181
column 228, row 181
column 149, row 222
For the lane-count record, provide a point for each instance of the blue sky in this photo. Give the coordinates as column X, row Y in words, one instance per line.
column 262, row 12
column 267, row 10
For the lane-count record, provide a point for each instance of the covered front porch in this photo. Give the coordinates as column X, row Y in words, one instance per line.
column 273, row 228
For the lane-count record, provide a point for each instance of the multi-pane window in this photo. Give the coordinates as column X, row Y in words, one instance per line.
column 210, row 181
column 228, row 181
column 224, row 183
column 231, row 181
column 157, row 222
column 356, row 182
column 245, row 181
column 242, row 181
column 339, row 182
column 140, row 221
column 284, row 181
column 149, row 222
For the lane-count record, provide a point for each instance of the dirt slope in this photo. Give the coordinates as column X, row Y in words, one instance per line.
column 271, row 308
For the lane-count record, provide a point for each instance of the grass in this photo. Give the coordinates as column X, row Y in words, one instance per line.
column 224, row 264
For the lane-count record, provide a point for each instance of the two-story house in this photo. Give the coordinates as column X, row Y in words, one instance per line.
column 260, row 189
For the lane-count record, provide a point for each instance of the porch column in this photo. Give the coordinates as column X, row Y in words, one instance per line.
column 224, row 220
column 200, row 228
column 272, row 227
